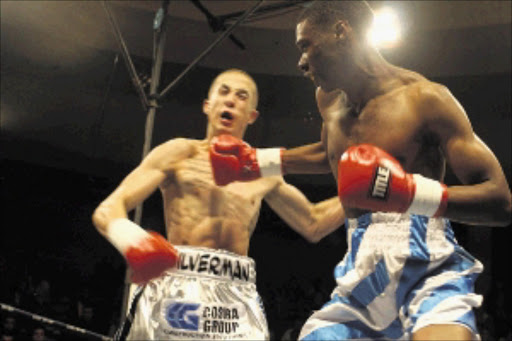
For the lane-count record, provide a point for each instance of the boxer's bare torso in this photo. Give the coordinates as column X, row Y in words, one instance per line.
column 391, row 121
column 199, row 213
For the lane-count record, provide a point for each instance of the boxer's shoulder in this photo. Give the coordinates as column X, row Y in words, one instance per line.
column 421, row 95
column 427, row 89
column 179, row 146
column 435, row 103
column 166, row 155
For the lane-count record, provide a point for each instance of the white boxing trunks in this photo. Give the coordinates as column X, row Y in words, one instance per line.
column 211, row 295
column 400, row 273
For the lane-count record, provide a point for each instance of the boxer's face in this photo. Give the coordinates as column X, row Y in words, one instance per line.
column 231, row 105
column 323, row 54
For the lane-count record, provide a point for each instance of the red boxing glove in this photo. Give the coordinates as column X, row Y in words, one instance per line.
column 369, row 178
column 150, row 258
column 234, row 160
column 147, row 254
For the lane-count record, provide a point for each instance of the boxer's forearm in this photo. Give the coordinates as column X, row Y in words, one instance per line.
column 308, row 159
column 329, row 216
column 312, row 221
column 318, row 220
column 481, row 204
column 108, row 211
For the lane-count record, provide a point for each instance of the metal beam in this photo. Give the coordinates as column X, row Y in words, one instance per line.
column 263, row 9
column 209, row 49
column 126, row 57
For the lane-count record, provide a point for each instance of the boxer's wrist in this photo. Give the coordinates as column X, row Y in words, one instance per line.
column 430, row 197
column 270, row 161
column 123, row 233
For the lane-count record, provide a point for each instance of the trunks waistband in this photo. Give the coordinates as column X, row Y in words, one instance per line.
column 219, row 264
column 385, row 217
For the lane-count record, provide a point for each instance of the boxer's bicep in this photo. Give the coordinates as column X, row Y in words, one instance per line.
column 159, row 165
column 467, row 155
column 471, row 160
column 484, row 197
column 134, row 188
column 139, row 184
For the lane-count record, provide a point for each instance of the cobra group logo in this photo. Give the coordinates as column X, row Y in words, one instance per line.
column 181, row 316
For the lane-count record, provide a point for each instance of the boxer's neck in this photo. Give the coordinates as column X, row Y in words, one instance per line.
column 370, row 76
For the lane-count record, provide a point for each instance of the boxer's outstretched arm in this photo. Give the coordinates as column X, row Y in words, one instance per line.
column 307, row 159
column 232, row 159
column 312, row 158
column 484, row 198
column 312, row 221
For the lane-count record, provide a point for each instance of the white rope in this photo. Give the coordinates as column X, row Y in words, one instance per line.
column 46, row 320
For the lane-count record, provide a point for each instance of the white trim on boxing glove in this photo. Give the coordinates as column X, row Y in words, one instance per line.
column 428, row 197
column 269, row 161
column 123, row 233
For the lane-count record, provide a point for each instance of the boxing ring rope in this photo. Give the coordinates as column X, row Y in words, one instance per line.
column 39, row 318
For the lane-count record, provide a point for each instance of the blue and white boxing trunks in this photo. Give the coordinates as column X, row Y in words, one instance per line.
column 400, row 273
column 211, row 295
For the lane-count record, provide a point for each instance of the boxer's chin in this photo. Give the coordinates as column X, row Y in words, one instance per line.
column 228, row 130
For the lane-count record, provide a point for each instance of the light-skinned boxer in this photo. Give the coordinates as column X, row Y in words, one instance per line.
column 207, row 288
column 388, row 134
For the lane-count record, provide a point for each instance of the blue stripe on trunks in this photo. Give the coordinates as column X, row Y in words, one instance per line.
column 355, row 330
column 351, row 301
column 443, row 292
column 368, row 289
column 458, row 262
column 356, row 239
column 417, row 263
column 372, row 285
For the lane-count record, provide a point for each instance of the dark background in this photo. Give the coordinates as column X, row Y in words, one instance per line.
column 72, row 127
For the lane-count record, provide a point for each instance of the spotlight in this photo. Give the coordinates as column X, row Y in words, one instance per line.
column 385, row 30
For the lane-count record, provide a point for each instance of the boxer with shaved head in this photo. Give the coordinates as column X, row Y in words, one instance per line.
column 199, row 283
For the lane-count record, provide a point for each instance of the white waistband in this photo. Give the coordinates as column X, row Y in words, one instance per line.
column 386, row 217
column 220, row 264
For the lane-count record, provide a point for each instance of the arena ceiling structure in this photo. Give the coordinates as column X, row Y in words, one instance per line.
column 66, row 90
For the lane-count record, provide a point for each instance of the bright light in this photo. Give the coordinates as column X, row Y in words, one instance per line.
column 385, row 30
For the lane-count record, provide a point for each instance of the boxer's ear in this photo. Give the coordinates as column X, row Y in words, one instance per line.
column 206, row 106
column 341, row 30
column 253, row 116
